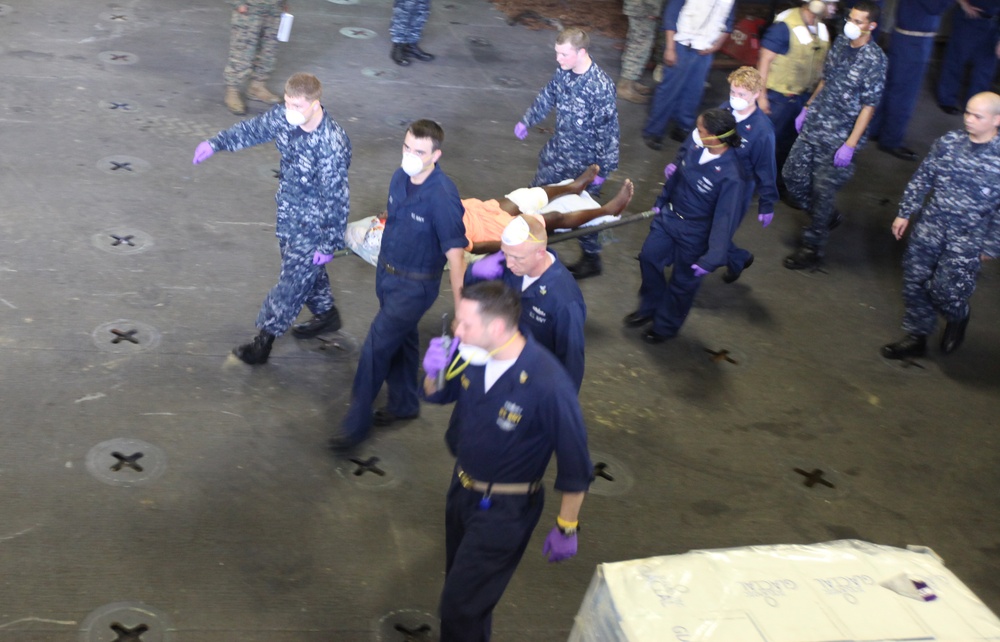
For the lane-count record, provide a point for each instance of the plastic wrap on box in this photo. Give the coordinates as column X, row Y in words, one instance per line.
column 839, row 591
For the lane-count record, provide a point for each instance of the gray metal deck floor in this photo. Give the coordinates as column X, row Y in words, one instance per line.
column 245, row 529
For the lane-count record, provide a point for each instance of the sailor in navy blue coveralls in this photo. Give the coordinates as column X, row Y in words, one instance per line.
column 910, row 50
column 699, row 210
column 423, row 231
column 759, row 165
column 510, row 416
column 973, row 41
column 552, row 307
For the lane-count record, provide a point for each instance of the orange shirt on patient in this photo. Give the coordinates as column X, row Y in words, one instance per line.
column 484, row 220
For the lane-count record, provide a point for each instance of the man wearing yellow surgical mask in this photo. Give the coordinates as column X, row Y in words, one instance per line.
column 697, row 213
column 552, row 306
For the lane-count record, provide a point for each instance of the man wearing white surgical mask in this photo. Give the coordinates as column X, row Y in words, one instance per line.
column 313, row 205
column 513, row 411
column 832, row 126
column 423, row 232
column 757, row 155
column 552, row 306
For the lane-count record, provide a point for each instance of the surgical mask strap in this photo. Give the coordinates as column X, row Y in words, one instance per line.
column 725, row 135
column 456, row 368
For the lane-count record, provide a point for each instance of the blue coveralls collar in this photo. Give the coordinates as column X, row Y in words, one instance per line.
column 544, row 280
column 513, row 376
column 421, row 193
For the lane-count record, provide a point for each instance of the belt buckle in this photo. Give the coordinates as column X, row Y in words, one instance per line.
column 465, row 480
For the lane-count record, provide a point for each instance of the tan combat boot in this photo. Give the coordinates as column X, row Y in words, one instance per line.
column 627, row 91
column 234, row 102
column 642, row 89
column 258, row 91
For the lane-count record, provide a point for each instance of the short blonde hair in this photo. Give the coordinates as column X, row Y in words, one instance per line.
column 303, row 85
column 747, row 78
column 574, row 36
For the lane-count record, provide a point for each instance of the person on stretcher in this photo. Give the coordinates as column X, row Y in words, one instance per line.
column 564, row 206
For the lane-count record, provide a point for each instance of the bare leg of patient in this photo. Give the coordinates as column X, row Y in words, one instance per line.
column 570, row 220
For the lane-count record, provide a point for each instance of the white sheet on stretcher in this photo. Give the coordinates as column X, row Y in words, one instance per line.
column 573, row 203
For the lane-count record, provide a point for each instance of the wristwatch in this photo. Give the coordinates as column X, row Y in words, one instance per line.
column 567, row 528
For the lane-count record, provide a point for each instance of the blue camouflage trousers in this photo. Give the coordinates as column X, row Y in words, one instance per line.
column 300, row 283
column 940, row 267
column 408, row 18
column 813, row 182
column 556, row 167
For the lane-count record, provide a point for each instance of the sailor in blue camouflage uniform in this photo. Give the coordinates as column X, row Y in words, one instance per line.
column 313, row 206
column 836, row 122
column 406, row 29
column 586, row 131
column 758, row 157
column 423, row 231
column 515, row 407
column 956, row 190
column 698, row 211
column 552, row 307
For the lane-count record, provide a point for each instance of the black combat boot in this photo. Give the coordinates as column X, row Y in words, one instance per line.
column 257, row 351
column 413, row 50
column 804, row 258
column 730, row 276
column 398, row 54
column 954, row 334
column 912, row 345
column 589, row 265
column 327, row 322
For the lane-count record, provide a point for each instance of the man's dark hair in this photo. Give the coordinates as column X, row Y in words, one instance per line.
column 870, row 8
column 427, row 129
column 496, row 301
column 722, row 123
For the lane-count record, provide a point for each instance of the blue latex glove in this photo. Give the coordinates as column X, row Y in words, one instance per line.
column 843, row 156
column 598, row 181
column 800, row 119
column 202, row 152
column 559, row 547
column 321, row 259
column 765, row 219
column 436, row 358
column 654, row 210
column 521, row 131
column 698, row 271
column 669, row 170
column 489, row 267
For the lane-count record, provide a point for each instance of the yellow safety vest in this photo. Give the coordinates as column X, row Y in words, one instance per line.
column 798, row 71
